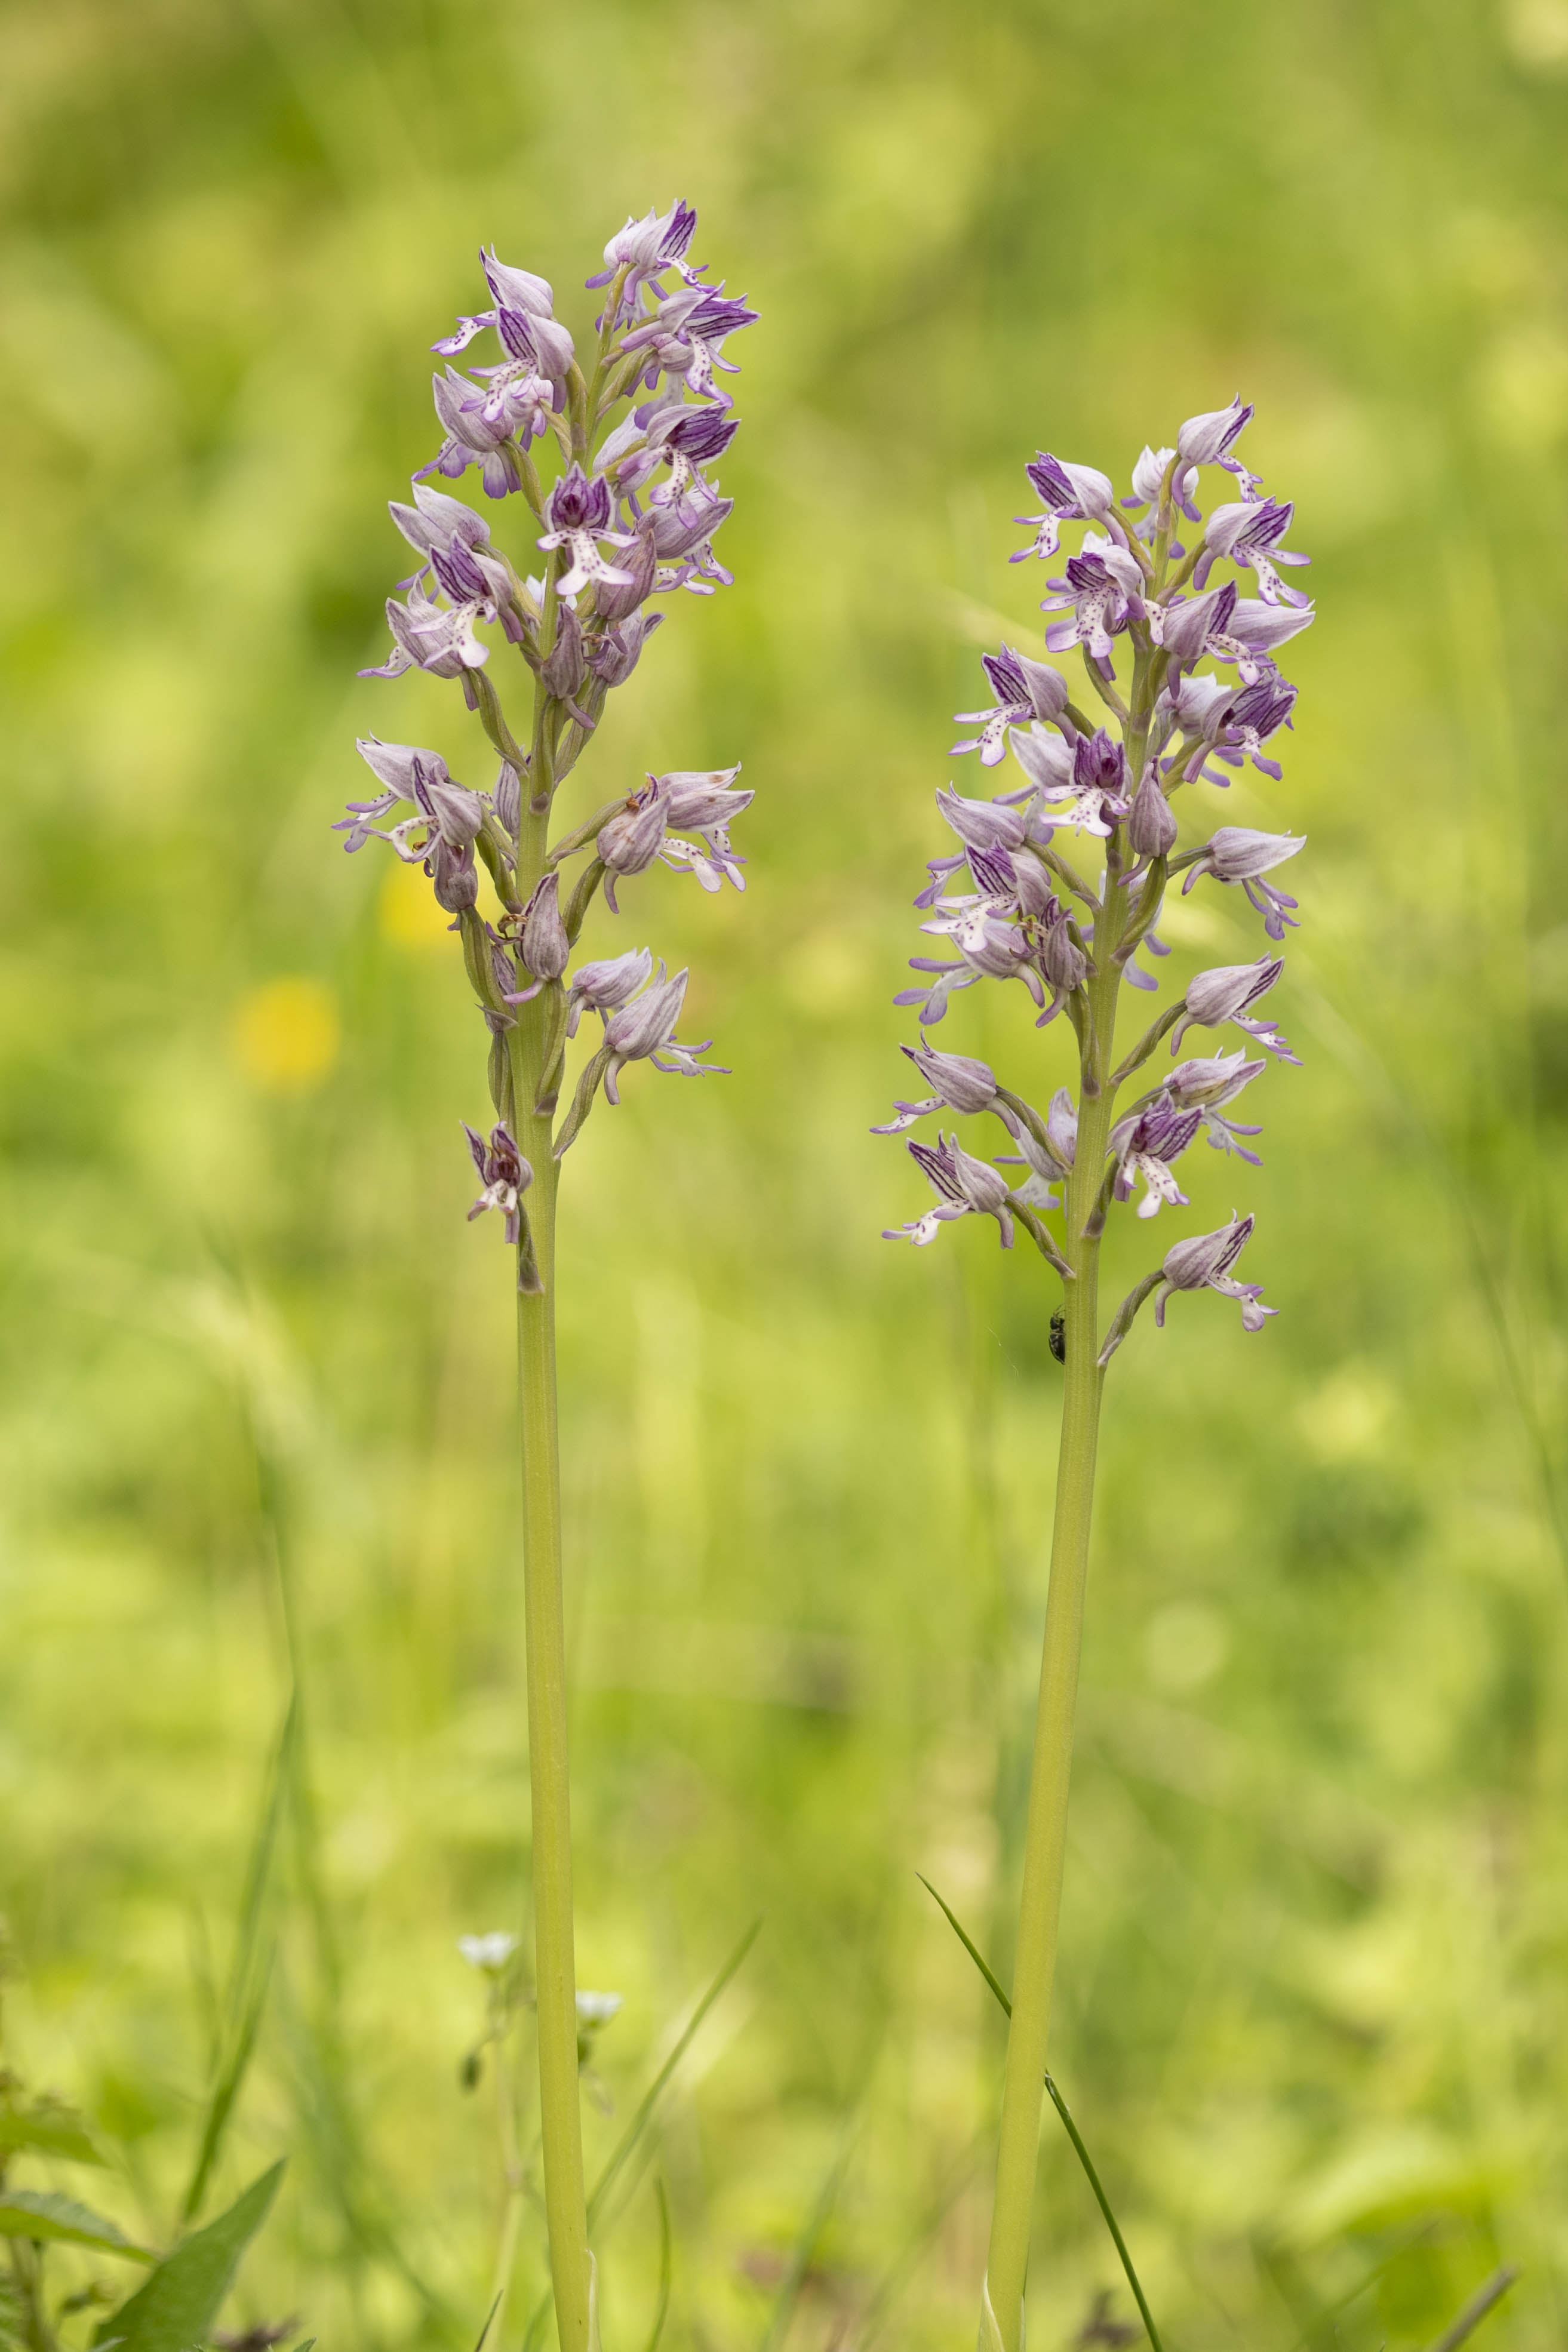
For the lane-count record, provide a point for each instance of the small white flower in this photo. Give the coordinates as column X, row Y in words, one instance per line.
column 599, row 2008
column 490, row 1952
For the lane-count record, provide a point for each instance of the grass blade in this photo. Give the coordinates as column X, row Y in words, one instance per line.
column 1082, row 2152
column 1475, row 2310
column 1103, row 2203
column 250, row 1975
column 956, row 1925
column 655, row 2092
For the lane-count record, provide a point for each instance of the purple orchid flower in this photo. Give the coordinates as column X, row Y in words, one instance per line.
column 1011, row 882
column 505, row 1176
column 521, row 317
column 639, row 1028
column 983, row 824
column 989, row 948
column 685, row 337
column 1026, row 690
column 1100, row 783
column 644, row 250
column 1146, row 1144
column 1205, row 1261
column 695, row 800
column 472, row 438
column 1147, row 481
column 1230, row 722
column 1071, row 494
column 964, row 1186
column 580, row 515
column 1258, row 711
column 601, row 987
column 1090, row 774
column 1104, row 585
column 1237, row 629
column 1249, row 534
column 962, row 1084
column 644, row 1031
column 1236, row 854
column 505, row 1173
column 427, row 636
column 1189, row 627
column 439, row 836
column 455, row 543
column 1205, row 1084
column 1209, row 438
column 1225, row 994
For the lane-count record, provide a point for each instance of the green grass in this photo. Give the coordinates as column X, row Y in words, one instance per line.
column 255, row 1369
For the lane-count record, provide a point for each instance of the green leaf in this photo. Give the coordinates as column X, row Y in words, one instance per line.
column 176, row 2307
column 50, row 2129
column 25, row 2213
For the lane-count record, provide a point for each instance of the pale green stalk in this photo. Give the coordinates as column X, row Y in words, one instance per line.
column 555, row 1980
column 1023, row 2089
column 548, row 1762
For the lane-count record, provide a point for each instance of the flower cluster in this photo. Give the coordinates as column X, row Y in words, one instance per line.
column 1183, row 689
column 631, row 515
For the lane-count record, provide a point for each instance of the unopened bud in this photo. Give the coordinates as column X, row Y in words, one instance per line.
column 1152, row 825
column 566, row 667
column 617, row 599
column 1064, row 962
column 455, row 874
column 1032, row 883
column 509, row 799
column 546, row 950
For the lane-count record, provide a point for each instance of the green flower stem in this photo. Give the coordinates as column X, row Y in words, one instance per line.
column 561, row 2124
column 1045, row 1839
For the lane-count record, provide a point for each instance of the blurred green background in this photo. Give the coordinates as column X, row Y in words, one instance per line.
column 255, row 1369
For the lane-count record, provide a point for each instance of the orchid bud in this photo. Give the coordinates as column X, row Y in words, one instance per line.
column 1063, row 962
column 546, row 950
column 509, row 799
column 1031, row 883
column 455, row 876
column 567, row 667
column 617, row 599
column 1152, row 823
